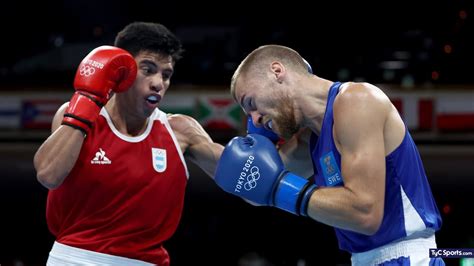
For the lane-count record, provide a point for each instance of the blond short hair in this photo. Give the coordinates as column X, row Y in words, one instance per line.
column 254, row 63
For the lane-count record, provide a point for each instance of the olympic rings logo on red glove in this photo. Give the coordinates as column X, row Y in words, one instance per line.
column 86, row 70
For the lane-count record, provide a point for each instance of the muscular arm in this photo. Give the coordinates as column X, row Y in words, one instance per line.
column 359, row 117
column 57, row 155
column 196, row 144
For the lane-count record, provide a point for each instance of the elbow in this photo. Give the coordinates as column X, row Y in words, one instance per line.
column 48, row 181
column 47, row 177
column 45, row 174
column 370, row 221
column 370, row 226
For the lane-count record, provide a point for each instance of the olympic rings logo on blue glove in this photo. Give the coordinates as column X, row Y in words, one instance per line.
column 252, row 178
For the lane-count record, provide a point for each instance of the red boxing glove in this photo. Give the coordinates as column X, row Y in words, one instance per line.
column 103, row 70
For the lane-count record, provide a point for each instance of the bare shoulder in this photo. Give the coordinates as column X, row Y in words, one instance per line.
column 181, row 123
column 177, row 120
column 363, row 96
column 361, row 100
column 359, row 106
column 360, row 112
column 196, row 145
column 188, row 130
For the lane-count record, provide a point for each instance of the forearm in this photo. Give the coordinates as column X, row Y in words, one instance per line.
column 342, row 208
column 206, row 157
column 57, row 156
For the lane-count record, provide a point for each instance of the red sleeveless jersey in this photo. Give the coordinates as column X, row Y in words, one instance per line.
column 125, row 195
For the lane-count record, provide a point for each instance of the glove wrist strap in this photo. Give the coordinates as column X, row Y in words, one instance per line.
column 290, row 193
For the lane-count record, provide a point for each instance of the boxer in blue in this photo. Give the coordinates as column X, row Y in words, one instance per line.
column 369, row 182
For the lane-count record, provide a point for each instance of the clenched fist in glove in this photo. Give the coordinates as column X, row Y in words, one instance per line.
column 250, row 167
column 103, row 70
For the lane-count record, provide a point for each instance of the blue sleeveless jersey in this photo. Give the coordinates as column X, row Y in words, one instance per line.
column 409, row 207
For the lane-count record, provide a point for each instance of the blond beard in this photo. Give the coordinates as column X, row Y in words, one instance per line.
column 285, row 122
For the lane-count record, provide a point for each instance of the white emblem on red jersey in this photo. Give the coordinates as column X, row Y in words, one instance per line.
column 159, row 159
column 100, row 158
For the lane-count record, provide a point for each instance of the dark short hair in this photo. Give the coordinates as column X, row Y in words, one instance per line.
column 148, row 36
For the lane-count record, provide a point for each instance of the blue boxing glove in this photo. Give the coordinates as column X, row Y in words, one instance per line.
column 252, row 129
column 250, row 167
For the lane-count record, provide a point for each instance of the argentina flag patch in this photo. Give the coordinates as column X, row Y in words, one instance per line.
column 159, row 159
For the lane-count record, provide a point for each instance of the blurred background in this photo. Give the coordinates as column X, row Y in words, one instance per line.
column 419, row 52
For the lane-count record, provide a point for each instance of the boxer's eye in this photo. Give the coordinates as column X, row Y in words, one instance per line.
column 252, row 106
